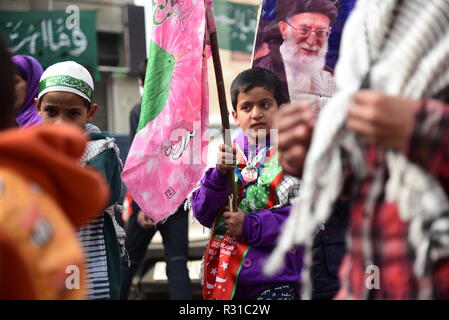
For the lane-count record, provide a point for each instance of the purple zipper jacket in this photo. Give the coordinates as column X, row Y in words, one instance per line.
column 260, row 229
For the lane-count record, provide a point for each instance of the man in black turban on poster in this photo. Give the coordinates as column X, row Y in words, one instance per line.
column 298, row 48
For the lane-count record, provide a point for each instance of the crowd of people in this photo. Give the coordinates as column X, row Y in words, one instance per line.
column 348, row 200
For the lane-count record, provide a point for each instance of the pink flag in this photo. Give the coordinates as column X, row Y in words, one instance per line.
column 169, row 153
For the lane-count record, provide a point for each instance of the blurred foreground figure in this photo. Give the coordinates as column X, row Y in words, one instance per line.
column 391, row 114
column 43, row 200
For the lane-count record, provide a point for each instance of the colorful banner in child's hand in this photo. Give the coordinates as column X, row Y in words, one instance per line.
column 169, row 153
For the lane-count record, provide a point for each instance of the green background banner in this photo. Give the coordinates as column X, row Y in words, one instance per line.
column 237, row 24
column 52, row 37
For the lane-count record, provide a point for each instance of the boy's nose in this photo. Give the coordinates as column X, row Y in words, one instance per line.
column 257, row 113
column 61, row 120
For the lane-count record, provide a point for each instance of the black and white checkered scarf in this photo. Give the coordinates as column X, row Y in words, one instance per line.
column 403, row 47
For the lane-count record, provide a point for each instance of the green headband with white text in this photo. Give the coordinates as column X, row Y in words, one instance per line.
column 68, row 82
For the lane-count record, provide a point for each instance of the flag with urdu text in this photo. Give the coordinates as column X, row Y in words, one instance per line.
column 169, row 153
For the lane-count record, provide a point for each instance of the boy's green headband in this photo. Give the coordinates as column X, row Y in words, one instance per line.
column 65, row 83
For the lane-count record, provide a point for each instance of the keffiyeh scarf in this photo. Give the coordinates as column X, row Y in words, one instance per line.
column 399, row 48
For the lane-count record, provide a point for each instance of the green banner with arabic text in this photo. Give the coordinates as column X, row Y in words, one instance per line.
column 236, row 24
column 52, row 37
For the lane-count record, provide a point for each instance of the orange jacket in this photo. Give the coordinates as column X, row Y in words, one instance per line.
column 45, row 196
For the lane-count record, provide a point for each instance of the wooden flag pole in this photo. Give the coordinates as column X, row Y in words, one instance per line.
column 223, row 106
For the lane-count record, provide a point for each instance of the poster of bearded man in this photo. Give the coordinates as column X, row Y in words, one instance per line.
column 293, row 41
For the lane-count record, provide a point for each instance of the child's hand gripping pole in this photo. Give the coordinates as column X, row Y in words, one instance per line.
column 226, row 163
column 231, row 205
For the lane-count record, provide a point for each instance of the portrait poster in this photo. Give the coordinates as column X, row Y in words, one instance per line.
column 299, row 41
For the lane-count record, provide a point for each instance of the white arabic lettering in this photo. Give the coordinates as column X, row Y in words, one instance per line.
column 239, row 21
column 80, row 41
column 75, row 39
column 178, row 148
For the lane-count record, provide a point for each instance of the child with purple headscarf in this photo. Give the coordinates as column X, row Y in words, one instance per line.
column 26, row 81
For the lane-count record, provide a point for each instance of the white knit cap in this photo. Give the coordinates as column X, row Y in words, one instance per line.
column 67, row 76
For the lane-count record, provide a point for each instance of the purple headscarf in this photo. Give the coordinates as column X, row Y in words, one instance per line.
column 31, row 71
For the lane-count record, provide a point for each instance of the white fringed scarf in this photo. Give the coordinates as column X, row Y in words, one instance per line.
column 404, row 47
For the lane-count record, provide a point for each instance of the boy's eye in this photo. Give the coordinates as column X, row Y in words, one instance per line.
column 74, row 114
column 50, row 112
column 266, row 104
column 245, row 107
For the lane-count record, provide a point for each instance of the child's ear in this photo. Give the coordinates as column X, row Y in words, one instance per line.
column 38, row 106
column 236, row 120
column 92, row 111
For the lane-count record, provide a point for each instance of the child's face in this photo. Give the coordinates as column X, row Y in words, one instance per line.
column 255, row 112
column 65, row 107
column 20, row 87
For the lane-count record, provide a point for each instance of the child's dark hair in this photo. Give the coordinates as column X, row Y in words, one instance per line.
column 256, row 77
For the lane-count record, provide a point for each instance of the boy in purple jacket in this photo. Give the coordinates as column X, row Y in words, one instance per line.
column 241, row 241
